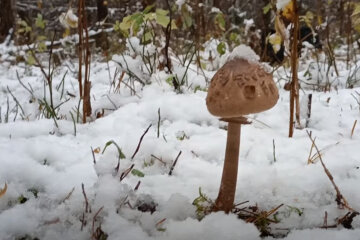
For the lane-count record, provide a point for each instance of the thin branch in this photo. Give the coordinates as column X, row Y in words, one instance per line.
column 126, row 172
column 94, row 219
column 173, row 166
column 93, row 154
column 87, row 208
column 68, row 195
column 141, row 138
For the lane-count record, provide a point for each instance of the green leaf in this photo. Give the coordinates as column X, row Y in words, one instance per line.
column 117, row 26
column 267, row 8
column 42, row 47
column 30, row 60
column 138, row 173
column 221, row 48
column 121, row 154
column 162, row 20
column 24, row 27
column 147, row 37
column 355, row 17
column 220, row 21
column 126, row 23
column 149, row 8
column 233, row 37
column 186, row 16
column 169, row 80
column 150, row 16
column 41, row 38
column 188, row 21
column 137, row 18
column 39, row 22
column 162, row 12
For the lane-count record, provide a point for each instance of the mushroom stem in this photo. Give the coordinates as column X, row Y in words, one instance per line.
column 225, row 199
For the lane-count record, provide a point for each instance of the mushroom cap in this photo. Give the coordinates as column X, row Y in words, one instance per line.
column 239, row 88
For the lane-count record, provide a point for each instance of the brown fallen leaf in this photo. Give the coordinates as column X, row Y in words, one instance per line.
column 97, row 150
column 3, row 191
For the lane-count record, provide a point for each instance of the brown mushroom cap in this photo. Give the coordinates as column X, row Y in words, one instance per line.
column 239, row 88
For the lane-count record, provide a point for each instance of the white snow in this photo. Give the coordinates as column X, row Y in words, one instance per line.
column 244, row 52
column 35, row 155
column 280, row 4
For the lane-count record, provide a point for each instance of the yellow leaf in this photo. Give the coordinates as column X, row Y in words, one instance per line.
column 275, row 41
column 355, row 17
column 288, row 11
column 3, row 191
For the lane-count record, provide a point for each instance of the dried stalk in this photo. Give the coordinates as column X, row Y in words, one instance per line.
column 340, row 200
column 141, row 138
column 353, row 129
column 294, row 91
column 173, row 166
column 126, row 172
column 68, row 195
column 87, row 207
column 137, row 186
column 93, row 222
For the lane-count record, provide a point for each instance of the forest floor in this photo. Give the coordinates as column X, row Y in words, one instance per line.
column 52, row 172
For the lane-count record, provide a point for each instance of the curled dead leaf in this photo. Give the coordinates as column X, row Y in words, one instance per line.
column 3, row 191
column 97, row 150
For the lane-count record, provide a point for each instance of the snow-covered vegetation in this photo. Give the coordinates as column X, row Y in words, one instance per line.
column 147, row 163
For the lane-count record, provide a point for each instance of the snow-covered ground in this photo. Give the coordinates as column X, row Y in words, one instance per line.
column 44, row 166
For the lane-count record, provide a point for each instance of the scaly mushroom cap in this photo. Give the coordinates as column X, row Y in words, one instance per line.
column 240, row 88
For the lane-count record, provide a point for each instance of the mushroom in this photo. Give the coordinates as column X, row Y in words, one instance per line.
column 239, row 88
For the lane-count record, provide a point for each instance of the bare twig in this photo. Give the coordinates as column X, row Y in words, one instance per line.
column 325, row 225
column 93, row 222
column 141, row 138
column 353, row 129
column 158, row 125
column 160, row 222
column 83, row 221
column 238, row 204
column 173, row 166
column 68, row 195
column 159, row 159
column 93, row 154
column 87, row 207
column 308, row 110
column 126, row 172
column 269, row 212
column 137, row 186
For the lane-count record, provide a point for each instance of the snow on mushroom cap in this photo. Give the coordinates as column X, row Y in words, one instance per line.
column 243, row 52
